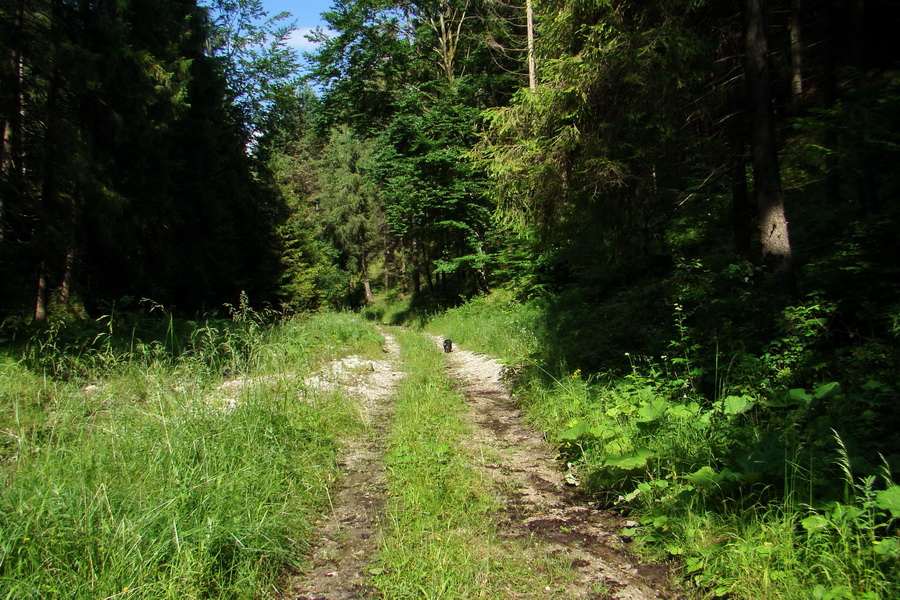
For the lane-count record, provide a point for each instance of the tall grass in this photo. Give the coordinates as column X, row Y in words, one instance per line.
column 134, row 481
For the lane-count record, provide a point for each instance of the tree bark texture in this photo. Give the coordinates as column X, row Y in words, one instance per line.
column 773, row 225
column 868, row 193
column 796, row 54
column 532, row 69
column 832, row 95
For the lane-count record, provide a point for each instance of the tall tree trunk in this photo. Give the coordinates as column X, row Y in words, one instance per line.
column 773, row 226
column 416, row 269
column 796, row 55
column 364, row 271
column 831, row 95
column 43, row 240
column 65, row 286
column 740, row 199
column 532, row 69
column 12, row 110
column 40, row 299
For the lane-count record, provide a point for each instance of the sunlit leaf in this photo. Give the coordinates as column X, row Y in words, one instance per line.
column 887, row 547
column 652, row 411
column 815, row 523
column 889, row 499
column 798, row 395
column 736, row 405
column 827, row 390
column 705, row 476
column 574, row 433
column 630, row 461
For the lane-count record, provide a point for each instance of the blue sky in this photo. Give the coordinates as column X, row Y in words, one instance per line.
column 306, row 13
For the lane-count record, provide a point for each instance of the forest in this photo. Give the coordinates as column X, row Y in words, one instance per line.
column 676, row 221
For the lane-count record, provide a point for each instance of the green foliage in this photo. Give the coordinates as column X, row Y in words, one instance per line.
column 150, row 482
column 259, row 65
column 124, row 166
column 495, row 324
column 348, row 203
column 740, row 487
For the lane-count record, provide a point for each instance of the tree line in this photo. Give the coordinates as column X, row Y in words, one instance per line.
column 125, row 164
column 591, row 153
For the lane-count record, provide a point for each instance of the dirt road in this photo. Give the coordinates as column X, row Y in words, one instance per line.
column 540, row 505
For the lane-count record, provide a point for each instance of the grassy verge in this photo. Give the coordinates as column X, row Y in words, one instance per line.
column 749, row 507
column 439, row 539
column 494, row 324
column 128, row 476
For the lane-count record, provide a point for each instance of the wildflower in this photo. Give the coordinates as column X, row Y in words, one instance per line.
column 576, row 374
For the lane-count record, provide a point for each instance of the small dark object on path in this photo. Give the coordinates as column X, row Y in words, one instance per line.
column 448, row 346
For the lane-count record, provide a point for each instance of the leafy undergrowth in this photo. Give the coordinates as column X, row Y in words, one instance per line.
column 439, row 538
column 751, row 488
column 125, row 474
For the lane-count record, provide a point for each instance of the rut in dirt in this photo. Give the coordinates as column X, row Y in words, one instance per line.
column 521, row 466
column 540, row 505
column 347, row 537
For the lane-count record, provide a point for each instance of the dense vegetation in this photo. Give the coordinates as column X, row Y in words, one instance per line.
column 750, row 494
column 690, row 208
column 160, row 478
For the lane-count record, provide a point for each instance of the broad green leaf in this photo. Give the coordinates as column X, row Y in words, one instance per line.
column 705, row 476
column 889, row 499
column 798, row 396
column 704, row 420
column 630, row 495
column 873, row 384
column 827, row 390
column 736, row 405
column 887, row 547
column 845, row 513
column 630, row 461
column 684, row 411
column 692, row 564
column 652, row 410
column 574, row 433
column 603, row 431
column 815, row 523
